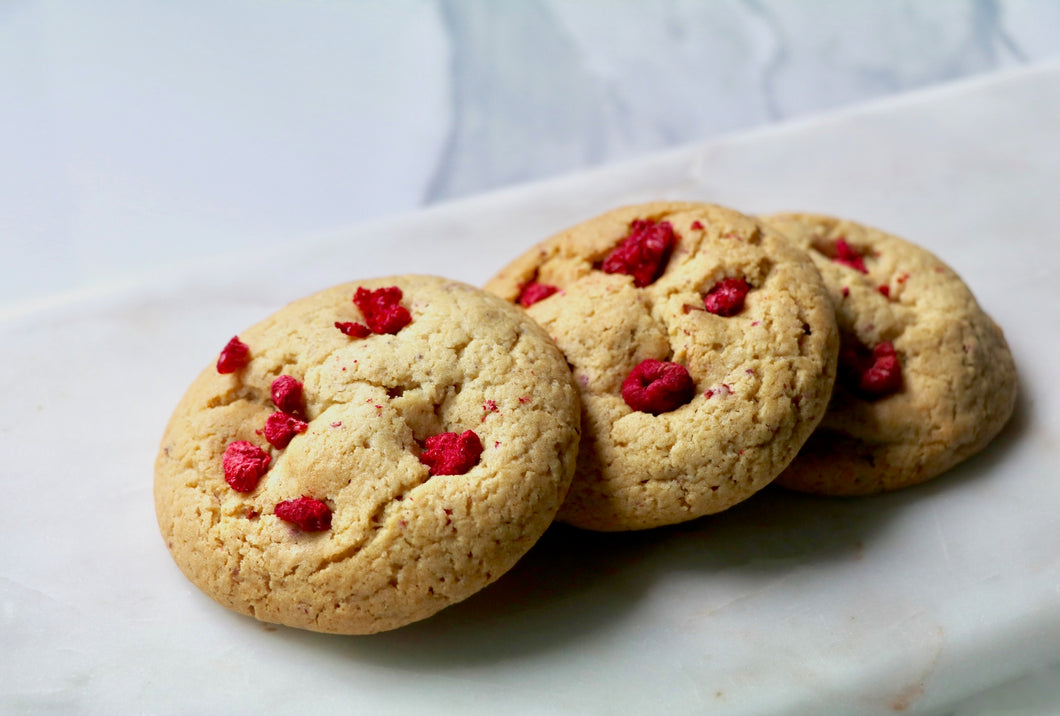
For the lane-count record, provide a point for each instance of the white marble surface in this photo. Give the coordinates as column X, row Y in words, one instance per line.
column 914, row 602
column 167, row 174
column 136, row 135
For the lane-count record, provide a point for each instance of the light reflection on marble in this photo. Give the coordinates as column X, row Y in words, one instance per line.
column 138, row 135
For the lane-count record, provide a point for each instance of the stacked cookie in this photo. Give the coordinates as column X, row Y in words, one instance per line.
column 380, row 450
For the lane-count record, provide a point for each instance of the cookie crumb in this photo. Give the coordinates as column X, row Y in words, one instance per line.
column 655, row 386
column 307, row 513
column 244, row 463
column 451, row 454
column 643, row 253
column 234, row 356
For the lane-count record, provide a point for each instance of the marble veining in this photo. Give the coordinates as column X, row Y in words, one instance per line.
column 141, row 134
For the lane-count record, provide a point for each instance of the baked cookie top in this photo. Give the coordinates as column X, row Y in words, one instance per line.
column 925, row 377
column 704, row 346
column 361, row 464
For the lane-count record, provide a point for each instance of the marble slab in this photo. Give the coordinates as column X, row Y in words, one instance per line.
column 910, row 602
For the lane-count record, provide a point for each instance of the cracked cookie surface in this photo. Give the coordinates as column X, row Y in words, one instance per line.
column 762, row 375
column 401, row 543
column 957, row 382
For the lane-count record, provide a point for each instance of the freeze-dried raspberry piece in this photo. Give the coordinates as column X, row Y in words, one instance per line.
column 353, row 330
column 308, row 514
column 382, row 309
column 656, row 386
column 281, row 427
column 847, row 256
column 644, row 252
column 244, row 463
column 234, row 356
column 451, row 454
column 287, row 395
column 726, row 297
column 534, row 292
column 874, row 373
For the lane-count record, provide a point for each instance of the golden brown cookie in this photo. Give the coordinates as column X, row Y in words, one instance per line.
column 361, row 464
column 925, row 377
column 704, row 346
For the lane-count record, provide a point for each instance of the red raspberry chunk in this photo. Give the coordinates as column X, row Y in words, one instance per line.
column 534, row 292
column 644, row 252
column 281, row 427
column 306, row 513
column 451, row 454
column 244, row 463
column 382, row 309
column 234, row 356
column 656, row 386
column 726, row 297
column 287, row 395
column 847, row 256
column 872, row 374
column 353, row 330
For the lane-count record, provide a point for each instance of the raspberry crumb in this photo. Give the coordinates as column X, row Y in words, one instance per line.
column 656, row 386
column 697, row 225
column 643, row 253
column 281, row 427
column 846, row 291
column 721, row 391
column 308, row 514
column 874, row 373
column 524, row 399
column 726, row 297
column 382, row 309
column 337, row 424
column 234, row 356
column 244, row 463
column 488, row 407
column 451, row 454
column 353, row 330
column 534, row 292
column 847, row 256
column 884, row 290
column 287, row 395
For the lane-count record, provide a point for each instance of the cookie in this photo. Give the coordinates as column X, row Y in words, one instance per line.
column 703, row 344
column 352, row 466
column 925, row 377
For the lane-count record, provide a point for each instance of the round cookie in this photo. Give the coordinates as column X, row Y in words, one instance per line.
column 362, row 520
column 925, row 377
column 757, row 376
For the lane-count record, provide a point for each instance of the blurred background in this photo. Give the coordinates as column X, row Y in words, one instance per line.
column 136, row 135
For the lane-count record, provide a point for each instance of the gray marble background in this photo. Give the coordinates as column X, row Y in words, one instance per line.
column 138, row 134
